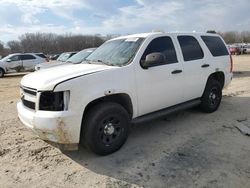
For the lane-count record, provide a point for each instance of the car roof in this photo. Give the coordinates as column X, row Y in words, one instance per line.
column 146, row 35
column 68, row 52
column 88, row 49
column 23, row 54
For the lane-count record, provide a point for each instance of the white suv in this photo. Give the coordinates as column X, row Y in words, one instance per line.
column 19, row 62
column 127, row 79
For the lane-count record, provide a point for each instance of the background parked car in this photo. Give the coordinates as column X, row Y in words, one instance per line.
column 42, row 56
column 246, row 49
column 65, row 56
column 75, row 59
column 54, row 57
column 235, row 50
column 19, row 63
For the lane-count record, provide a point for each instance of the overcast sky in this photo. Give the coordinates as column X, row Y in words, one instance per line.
column 120, row 16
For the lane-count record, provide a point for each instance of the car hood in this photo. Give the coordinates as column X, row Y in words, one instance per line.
column 49, row 65
column 47, row 79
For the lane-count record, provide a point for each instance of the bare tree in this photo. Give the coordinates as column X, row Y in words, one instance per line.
column 14, row 46
column 50, row 43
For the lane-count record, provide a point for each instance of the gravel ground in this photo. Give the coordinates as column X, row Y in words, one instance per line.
column 187, row 149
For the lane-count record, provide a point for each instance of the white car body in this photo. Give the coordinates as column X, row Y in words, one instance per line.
column 149, row 90
column 20, row 62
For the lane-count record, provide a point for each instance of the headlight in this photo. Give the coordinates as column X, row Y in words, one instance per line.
column 54, row 101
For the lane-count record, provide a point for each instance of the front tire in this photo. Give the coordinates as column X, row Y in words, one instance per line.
column 106, row 128
column 1, row 73
column 211, row 97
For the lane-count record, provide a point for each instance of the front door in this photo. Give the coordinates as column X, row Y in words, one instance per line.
column 160, row 86
column 14, row 63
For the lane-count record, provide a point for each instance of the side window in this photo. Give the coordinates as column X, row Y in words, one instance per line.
column 190, row 48
column 15, row 58
column 215, row 45
column 165, row 46
column 27, row 57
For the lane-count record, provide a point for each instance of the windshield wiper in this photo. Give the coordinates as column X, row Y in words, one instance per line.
column 98, row 61
column 106, row 63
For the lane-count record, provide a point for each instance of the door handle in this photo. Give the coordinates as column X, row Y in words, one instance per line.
column 205, row 65
column 176, row 71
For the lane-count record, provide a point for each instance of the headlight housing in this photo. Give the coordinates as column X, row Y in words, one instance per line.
column 54, row 101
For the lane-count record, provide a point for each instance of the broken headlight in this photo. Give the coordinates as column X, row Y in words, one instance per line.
column 54, row 101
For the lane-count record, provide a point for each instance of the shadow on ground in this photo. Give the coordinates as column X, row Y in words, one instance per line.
column 186, row 149
column 15, row 74
column 240, row 74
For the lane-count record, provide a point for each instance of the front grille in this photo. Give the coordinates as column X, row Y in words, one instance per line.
column 31, row 92
column 29, row 104
column 28, row 97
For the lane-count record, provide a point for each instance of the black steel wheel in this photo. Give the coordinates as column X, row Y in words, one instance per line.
column 105, row 128
column 212, row 96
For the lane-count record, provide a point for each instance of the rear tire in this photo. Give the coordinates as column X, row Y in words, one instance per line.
column 106, row 128
column 1, row 73
column 211, row 98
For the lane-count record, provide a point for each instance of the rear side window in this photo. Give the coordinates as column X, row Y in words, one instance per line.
column 165, row 46
column 190, row 48
column 27, row 57
column 215, row 45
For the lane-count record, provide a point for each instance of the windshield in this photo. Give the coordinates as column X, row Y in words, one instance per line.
column 116, row 52
column 80, row 56
column 63, row 57
column 6, row 58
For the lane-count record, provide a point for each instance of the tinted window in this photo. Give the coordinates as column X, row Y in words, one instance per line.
column 165, row 46
column 27, row 57
column 41, row 55
column 72, row 54
column 190, row 47
column 215, row 45
column 15, row 58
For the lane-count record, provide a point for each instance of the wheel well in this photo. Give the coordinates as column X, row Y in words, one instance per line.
column 122, row 99
column 219, row 76
column 2, row 69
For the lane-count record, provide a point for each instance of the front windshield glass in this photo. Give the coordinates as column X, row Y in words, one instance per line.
column 6, row 58
column 116, row 52
column 63, row 57
column 80, row 56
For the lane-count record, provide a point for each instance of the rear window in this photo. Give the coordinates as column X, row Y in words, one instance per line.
column 215, row 45
column 190, row 48
column 41, row 55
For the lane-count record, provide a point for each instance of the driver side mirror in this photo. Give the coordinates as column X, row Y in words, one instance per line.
column 153, row 59
column 8, row 60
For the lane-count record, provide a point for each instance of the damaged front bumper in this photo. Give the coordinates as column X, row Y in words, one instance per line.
column 50, row 126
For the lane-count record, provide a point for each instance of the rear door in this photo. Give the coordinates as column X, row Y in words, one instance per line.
column 160, row 86
column 14, row 63
column 195, row 66
column 29, row 62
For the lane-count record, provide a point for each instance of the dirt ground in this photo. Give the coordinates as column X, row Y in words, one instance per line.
column 187, row 149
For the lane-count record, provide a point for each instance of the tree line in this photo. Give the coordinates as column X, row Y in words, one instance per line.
column 50, row 43
column 232, row 37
